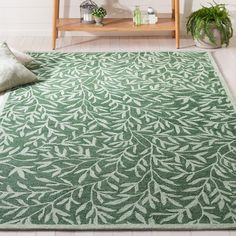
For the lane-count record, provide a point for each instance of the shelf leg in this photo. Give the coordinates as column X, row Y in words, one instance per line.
column 173, row 34
column 177, row 23
column 173, row 16
column 55, row 18
column 173, row 9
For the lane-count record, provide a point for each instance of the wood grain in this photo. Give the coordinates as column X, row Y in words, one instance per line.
column 117, row 24
column 177, row 24
column 54, row 22
column 114, row 25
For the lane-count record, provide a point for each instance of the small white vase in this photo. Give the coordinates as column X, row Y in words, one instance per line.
column 98, row 20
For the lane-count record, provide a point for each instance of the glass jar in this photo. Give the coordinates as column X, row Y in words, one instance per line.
column 137, row 17
column 86, row 9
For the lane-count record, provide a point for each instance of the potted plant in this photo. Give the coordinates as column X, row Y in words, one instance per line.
column 211, row 27
column 99, row 14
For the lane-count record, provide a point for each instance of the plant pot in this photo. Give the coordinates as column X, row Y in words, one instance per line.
column 206, row 43
column 98, row 20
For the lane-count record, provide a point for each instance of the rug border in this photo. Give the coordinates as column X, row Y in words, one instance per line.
column 133, row 227
column 4, row 101
column 222, row 80
column 120, row 227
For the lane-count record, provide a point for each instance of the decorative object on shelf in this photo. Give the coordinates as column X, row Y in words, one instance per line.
column 152, row 17
column 144, row 17
column 150, row 10
column 60, row 24
column 86, row 9
column 211, row 27
column 137, row 17
column 99, row 14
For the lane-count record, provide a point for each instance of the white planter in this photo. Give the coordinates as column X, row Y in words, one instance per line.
column 206, row 43
column 98, row 20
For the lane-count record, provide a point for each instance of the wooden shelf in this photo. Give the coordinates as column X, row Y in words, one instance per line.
column 115, row 25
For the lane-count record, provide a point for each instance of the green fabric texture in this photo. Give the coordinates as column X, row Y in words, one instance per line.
column 119, row 141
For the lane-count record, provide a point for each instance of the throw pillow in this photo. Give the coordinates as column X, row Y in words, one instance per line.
column 23, row 58
column 12, row 72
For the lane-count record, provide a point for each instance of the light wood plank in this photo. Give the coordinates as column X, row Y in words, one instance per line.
column 219, row 233
column 122, row 233
column 102, row 233
column 89, row 233
column 65, row 233
column 142, row 233
column 26, row 233
column 5, row 233
column 115, row 25
column 201, row 233
column 226, row 64
column 181, row 233
column 165, row 45
column 211, row 233
column 161, row 233
column 46, row 233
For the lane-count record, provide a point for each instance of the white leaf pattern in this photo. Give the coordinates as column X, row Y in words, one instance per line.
column 119, row 139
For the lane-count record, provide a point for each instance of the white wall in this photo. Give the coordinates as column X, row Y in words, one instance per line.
column 33, row 17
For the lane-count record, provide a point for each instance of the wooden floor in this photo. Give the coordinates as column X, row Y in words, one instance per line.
column 225, row 58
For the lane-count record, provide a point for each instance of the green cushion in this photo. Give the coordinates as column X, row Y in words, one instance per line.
column 12, row 72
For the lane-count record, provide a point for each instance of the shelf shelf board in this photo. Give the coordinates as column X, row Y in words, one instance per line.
column 114, row 25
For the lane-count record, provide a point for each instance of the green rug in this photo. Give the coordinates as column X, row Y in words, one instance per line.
column 119, row 141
